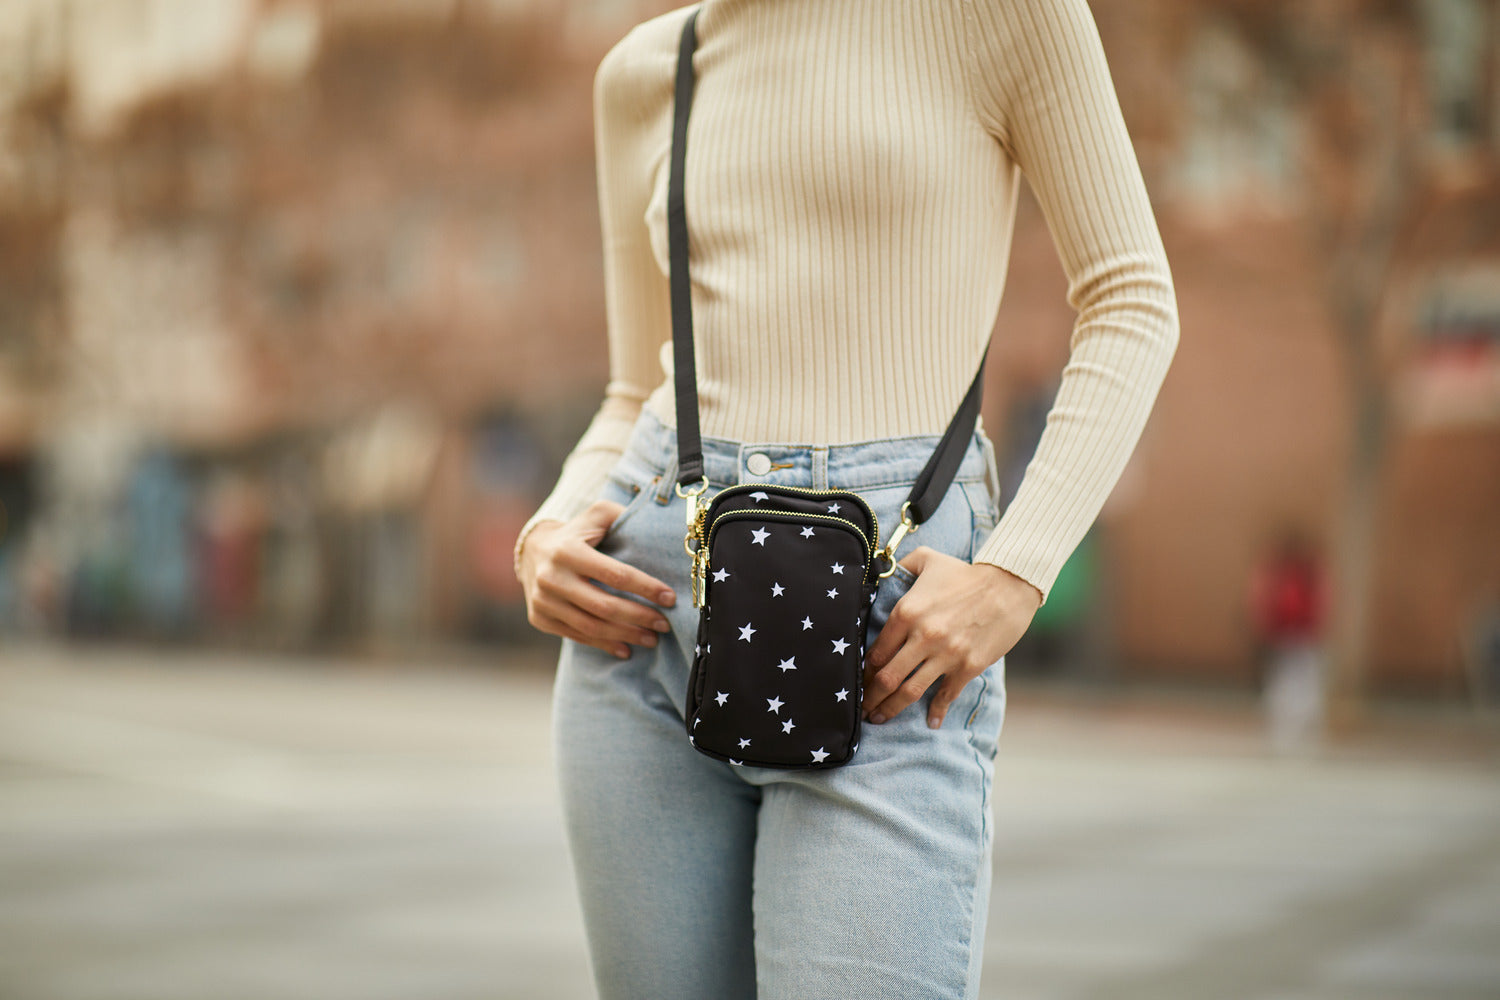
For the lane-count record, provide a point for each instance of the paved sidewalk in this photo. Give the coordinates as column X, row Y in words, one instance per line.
column 180, row 826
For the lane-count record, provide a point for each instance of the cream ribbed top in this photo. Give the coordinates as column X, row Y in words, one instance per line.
column 851, row 183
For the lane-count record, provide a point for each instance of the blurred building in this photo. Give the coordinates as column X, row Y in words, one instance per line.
column 1281, row 141
column 287, row 285
column 298, row 257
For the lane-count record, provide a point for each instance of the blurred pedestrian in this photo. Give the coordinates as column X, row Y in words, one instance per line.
column 1288, row 602
column 851, row 183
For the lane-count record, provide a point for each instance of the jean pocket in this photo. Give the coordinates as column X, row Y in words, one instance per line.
column 890, row 590
column 983, row 512
column 632, row 484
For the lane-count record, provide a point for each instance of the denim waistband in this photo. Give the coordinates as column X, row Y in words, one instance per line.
column 854, row 465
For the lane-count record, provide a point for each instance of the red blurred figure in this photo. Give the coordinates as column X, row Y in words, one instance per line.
column 1288, row 595
column 1289, row 600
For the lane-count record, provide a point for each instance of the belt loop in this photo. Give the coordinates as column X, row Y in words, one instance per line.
column 820, row 467
column 991, row 468
column 665, row 486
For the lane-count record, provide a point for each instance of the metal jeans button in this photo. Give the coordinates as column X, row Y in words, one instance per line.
column 759, row 464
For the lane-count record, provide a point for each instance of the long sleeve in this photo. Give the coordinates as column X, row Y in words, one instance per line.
column 1043, row 89
column 628, row 141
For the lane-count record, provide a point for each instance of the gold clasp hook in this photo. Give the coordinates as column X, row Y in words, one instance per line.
column 906, row 527
column 695, row 517
column 691, row 496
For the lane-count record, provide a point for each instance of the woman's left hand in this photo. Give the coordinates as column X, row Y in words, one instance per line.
column 955, row 620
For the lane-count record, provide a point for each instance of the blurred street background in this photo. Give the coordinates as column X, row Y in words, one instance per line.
column 185, row 826
column 301, row 307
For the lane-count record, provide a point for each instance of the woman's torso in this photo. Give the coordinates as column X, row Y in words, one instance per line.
column 849, row 215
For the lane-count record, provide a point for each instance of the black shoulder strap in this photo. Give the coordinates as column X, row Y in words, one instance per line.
column 933, row 482
column 684, row 371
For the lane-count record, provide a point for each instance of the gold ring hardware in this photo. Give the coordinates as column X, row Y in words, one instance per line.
column 906, row 527
column 699, row 487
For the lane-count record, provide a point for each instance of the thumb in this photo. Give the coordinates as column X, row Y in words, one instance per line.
column 916, row 560
column 598, row 517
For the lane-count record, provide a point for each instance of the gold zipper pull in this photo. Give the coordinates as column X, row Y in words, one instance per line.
column 700, row 578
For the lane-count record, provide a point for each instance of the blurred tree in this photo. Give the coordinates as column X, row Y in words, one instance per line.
column 1381, row 131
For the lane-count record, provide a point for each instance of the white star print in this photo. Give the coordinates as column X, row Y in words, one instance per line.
column 819, row 755
column 758, row 496
column 788, row 664
column 838, row 568
column 720, row 575
column 776, row 589
column 834, row 592
column 839, row 645
column 760, row 534
column 806, row 624
column 833, row 508
column 744, row 743
column 746, row 631
column 722, row 698
column 775, row 705
column 842, row 695
column 807, row 532
column 788, row 726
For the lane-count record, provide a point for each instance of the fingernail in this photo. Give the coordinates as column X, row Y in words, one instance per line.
column 648, row 639
column 877, row 718
column 623, row 654
column 666, row 597
column 933, row 722
column 662, row 625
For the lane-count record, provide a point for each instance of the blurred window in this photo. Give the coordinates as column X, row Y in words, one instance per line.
column 1456, row 35
column 1238, row 138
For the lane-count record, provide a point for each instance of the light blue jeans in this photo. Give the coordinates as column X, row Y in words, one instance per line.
column 702, row 880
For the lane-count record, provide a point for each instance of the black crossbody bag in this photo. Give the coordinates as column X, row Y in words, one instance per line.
column 784, row 577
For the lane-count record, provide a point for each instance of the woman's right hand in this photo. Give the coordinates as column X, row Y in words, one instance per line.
column 558, row 563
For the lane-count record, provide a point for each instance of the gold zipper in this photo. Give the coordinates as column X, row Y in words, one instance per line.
column 773, row 515
column 751, row 487
column 698, row 571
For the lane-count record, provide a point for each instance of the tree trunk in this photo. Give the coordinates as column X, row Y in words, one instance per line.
column 1357, row 548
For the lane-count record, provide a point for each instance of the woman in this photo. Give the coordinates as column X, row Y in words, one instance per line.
column 852, row 173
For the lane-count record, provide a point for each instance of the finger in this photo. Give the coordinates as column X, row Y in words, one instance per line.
column 892, row 636
column 575, row 589
column 590, row 562
column 938, row 710
column 911, row 689
column 572, row 615
column 547, row 623
column 885, row 681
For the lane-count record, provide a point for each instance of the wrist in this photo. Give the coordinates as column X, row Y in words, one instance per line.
column 1026, row 592
column 518, row 552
